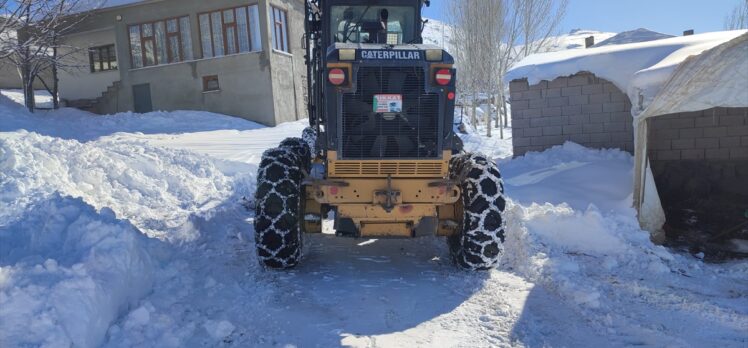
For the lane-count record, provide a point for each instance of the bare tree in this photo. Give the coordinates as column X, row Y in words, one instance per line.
column 35, row 45
column 738, row 18
column 539, row 20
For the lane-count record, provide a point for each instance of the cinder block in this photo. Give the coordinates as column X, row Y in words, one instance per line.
column 579, row 138
column 614, row 126
column 623, row 116
column 518, row 86
column 539, row 86
column 601, row 117
column 552, row 111
column 600, row 137
column 692, row 154
column 559, row 82
column 625, row 137
column 579, row 119
column 532, row 132
column 538, row 103
column 600, row 98
column 570, row 91
column 520, row 105
column 666, row 134
column 579, row 100
column 744, row 141
column 681, row 123
column 560, row 101
column 614, row 107
column 520, row 123
column 680, row 144
column 572, row 129
column 729, row 142
column 592, row 89
column 593, row 128
column 592, row 108
column 706, row 121
column 737, row 131
column 731, row 120
column 717, row 154
column 532, row 95
column 571, row 110
column 521, row 141
column 579, row 80
column 618, row 98
column 688, row 133
column 739, row 153
column 552, row 92
column 715, row 132
column 668, row 155
column 707, row 143
column 552, row 130
column 660, row 144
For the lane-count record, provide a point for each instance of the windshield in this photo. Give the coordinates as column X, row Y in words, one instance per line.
column 366, row 24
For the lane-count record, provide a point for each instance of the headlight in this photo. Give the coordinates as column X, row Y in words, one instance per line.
column 434, row 55
column 347, row 54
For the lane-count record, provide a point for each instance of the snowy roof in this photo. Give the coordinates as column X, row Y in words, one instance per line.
column 640, row 69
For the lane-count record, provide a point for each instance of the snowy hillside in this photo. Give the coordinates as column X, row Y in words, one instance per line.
column 574, row 40
column 438, row 33
column 633, row 36
column 133, row 230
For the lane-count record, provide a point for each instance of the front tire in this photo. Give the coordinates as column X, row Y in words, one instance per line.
column 480, row 242
column 279, row 205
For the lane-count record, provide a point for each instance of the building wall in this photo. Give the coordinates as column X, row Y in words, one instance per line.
column 582, row 108
column 9, row 78
column 705, row 151
column 259, row 86
column 77, row 81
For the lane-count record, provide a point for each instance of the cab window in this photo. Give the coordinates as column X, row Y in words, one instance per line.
column 392, row 25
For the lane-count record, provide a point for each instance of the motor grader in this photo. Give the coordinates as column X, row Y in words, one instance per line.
column 380, row 152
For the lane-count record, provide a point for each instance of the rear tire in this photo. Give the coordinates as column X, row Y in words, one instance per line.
column 480, row 242
column 280, row 204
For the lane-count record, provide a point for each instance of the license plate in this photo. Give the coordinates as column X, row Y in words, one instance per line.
column 385, row 103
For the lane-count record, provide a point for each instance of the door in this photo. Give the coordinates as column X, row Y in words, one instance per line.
column 141, row 95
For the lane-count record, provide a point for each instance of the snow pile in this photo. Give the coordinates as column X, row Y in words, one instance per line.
column 67, row 272
column 633, row 36
column 639, row 69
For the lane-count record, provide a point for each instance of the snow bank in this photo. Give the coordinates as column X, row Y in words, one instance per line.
column 639, row 69
column 67, row 272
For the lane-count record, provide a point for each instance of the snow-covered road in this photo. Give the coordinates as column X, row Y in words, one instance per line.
column 157, row 250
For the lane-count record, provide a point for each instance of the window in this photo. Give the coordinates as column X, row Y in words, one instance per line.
column 280, row 29
column 160, row 42
column 365, row 24
column 102, row 58
column 210, row 83
column 230, row 31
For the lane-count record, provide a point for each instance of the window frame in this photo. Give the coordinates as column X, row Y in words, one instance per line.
column 111, row 50
column 207, row 79
column 156, row 58
column 282, row 24
column 224, row 27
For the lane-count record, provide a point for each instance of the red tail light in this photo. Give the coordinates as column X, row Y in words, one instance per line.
column 336, row 76
column 443, row 77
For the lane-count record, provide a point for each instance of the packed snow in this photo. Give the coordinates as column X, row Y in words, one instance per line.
column 134, row 230
column 639, row 69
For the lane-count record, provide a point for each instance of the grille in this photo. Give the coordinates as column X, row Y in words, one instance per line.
column 383, row 169
column 413, row 133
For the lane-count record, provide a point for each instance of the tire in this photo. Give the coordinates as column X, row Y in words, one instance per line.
column 309, row 135
column 301, row 149
column 279, row 207
column 480, row 242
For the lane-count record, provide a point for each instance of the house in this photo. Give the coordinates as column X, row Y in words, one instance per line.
column 235, row 57
column 680, row 105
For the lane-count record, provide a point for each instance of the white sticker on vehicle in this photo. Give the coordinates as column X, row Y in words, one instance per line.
column 388, row 103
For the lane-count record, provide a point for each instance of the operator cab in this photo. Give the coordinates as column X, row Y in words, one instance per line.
column 391, row 25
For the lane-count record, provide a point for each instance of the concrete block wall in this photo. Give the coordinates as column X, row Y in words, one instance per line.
column 703, row 152
column 581, row 108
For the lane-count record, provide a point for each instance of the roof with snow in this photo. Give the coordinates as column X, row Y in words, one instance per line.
column 640, row 69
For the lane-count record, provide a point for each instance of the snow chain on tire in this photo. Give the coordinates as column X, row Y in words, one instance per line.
column 480, row 243
column 280, row 204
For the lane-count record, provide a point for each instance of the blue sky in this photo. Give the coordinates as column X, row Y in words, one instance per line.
column 665, row 16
